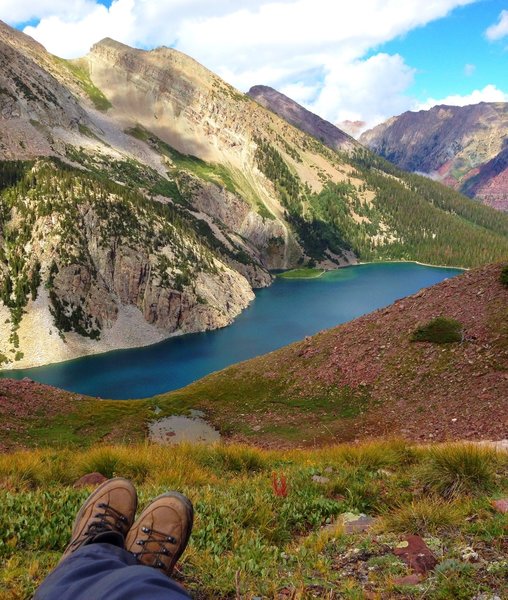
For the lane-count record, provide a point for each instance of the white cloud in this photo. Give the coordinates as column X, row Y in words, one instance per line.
column 315, row 50
column 22, row 11
column 500, row 29
column 490, row 93
column 365, row 90
column 299, row 92
column 70, row 38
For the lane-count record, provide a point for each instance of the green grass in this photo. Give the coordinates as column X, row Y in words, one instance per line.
column 213, row 173
column 440, row 330
column 82, row 76
column 247, row 540
column 301, row 274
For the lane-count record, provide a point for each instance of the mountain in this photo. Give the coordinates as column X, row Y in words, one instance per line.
column 141, row 196
column 385, row 374
column 464, row 147
column 303, row 119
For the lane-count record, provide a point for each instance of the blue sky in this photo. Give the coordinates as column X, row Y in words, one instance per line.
column 364, row 60
column 441, row 50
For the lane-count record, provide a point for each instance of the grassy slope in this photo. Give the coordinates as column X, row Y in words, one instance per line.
column 248, row 541
column 362, row 379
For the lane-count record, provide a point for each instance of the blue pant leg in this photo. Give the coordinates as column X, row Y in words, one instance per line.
column 106, row 572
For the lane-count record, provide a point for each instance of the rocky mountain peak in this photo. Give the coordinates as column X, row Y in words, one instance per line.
column 300, row 117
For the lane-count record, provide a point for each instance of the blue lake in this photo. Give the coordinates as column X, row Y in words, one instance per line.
column 285, row 312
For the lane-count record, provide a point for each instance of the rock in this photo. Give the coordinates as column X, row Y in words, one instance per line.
column 501, row 505
column 413, row 579
column 319, row 479
column 469, row 555
column 416, row 554
column 90, row 479
column 329, row 470
column 356, row 523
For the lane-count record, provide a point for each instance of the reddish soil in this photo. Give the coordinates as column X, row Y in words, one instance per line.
column 26, row 398
column 418, row 390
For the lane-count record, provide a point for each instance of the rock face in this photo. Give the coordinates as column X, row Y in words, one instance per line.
column 300, row 117
column 464, row 147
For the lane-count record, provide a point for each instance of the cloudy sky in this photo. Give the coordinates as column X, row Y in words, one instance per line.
column 344, row 59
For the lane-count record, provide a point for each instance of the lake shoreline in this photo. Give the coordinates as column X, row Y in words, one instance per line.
column 119, row 353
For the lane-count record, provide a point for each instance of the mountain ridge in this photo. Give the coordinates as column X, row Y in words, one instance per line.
column 459, row 146
column 303, row 119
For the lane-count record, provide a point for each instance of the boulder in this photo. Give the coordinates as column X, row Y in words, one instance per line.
column 501, row 505
column 90, row 479
column 416, row 554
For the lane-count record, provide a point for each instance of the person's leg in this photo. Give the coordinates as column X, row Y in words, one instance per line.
column 98, row 571
column 96, row 565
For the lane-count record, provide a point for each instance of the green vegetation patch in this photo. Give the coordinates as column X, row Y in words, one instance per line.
column 301, row 274
column 503, row 278
column 213, row 173
column 440, row 330
column 81, row 74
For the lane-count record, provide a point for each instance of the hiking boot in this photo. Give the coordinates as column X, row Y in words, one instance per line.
column 160, row 534
column 106, row 516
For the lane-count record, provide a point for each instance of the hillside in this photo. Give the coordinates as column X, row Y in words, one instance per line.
column 463, row 147
column 283, row 524
column 141, row 196
column 363, row 379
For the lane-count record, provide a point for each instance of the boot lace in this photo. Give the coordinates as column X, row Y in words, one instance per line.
column 161, row 540
column 107, row 519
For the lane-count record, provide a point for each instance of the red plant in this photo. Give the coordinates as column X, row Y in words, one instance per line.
column 279, row 485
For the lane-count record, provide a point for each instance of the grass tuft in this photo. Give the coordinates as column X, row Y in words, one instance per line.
column 456, row 470
column 426, row 516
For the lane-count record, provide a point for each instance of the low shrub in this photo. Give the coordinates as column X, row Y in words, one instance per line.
column 454, row 580
column 503, row 278
column 440, row 330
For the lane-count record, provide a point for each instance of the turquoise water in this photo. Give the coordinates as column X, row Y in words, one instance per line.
column 287, row 311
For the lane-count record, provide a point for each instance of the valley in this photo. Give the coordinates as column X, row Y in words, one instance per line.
column 143, row 197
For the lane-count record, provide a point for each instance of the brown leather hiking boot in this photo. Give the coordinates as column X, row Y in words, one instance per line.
column 160, row 534
column 106, row 516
